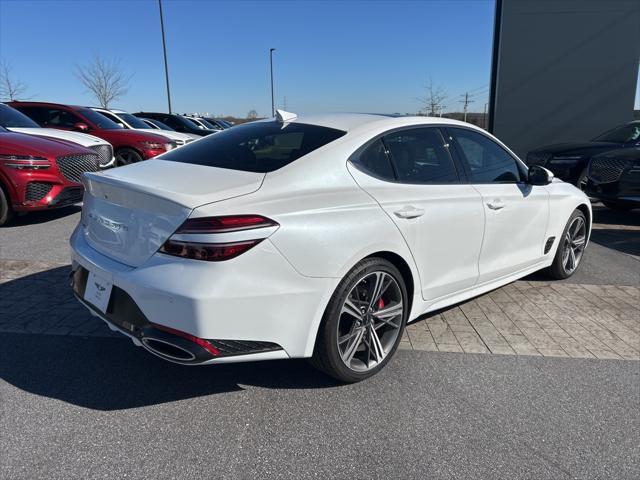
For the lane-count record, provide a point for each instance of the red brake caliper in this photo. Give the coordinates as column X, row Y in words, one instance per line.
column 380, row 304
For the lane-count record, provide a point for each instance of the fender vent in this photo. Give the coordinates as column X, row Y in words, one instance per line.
column 549, row 244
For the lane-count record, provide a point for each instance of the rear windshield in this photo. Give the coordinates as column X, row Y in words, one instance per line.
column 255, row 147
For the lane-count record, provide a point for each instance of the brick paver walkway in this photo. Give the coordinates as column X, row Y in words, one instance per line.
column 523, row 318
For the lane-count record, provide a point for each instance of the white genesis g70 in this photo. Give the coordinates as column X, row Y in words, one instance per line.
column 315, row 236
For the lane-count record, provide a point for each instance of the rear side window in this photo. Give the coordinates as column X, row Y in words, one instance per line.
column 375, row 161
column 421, row 156
column 255, row 147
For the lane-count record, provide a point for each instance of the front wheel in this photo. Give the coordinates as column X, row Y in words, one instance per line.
column 6, row 212
column 570, row 248
column 363, row 323
column 127, row 156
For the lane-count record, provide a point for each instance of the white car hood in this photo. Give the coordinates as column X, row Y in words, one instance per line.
column 80, row 138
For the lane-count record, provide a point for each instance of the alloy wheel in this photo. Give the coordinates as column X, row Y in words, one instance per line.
column 126, row 158
column 370, row 321
column 574, row 243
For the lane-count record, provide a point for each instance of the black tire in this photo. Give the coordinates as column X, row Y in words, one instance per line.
column 617, row 206
column 326, row 355
column 127, row 156
column 582, row 180
column 558, row 270
column 6, row 212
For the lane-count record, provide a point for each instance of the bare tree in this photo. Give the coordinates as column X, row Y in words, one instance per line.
column 11, row 88
column 105, row 79
column 252, row 114
column 434, row 101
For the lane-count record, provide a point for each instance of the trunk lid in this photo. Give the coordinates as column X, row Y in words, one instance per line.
column 129, row 212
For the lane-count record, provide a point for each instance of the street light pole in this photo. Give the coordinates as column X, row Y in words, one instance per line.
column 164, row 49
column 273, row 108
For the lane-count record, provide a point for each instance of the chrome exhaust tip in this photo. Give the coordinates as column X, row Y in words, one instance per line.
column 168, row 350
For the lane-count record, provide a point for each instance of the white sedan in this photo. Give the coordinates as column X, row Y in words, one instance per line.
column 315, row 236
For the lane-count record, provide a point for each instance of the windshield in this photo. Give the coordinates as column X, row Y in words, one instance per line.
column 133, row 121
column 12, row 118
column 187, row 122
column 259, row 147
column 623, row 134
column 99, row 120
column 208, row 125
column 159, row 124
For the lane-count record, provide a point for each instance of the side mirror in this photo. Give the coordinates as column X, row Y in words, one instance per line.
column 81, row 127
column 539, row 176
column 121, row 125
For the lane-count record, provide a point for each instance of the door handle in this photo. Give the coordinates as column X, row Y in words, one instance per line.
column 495, row 204
column 409, row 212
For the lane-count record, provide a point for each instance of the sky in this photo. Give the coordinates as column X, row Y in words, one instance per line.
column 364, row 56
column 359, row 56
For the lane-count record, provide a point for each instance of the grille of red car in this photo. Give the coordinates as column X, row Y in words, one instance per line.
column 73, row 166
column 105, row 153
column 37, row 191
column 606, row 170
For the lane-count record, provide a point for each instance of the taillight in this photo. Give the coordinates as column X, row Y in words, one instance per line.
column 230, row 223
column 211, row 252
column 197, row 238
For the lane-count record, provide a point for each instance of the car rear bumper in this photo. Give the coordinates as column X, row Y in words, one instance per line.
column 256, row 302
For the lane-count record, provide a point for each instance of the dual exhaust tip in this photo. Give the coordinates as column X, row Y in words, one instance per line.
column 175, row 348
column 168, row 350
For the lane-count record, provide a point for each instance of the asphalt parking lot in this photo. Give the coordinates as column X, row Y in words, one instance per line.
column 77, row 401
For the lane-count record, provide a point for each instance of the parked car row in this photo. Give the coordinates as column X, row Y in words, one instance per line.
column 607, row 168
column 46, row 147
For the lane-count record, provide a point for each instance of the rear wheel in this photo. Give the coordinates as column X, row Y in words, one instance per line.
column 6, row 212
column 127, row 156
column 570, row 248
column 363, row 323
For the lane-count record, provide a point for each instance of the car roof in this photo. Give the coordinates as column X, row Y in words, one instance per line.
column 350, row 122
column 157, row 113
column 47, row 104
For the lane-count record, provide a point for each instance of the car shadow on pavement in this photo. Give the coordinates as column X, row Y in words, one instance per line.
column 43, row 216
column 604, row 215
column 113, row 374
column 616, row 230
column 51, row 346
column 624, row 241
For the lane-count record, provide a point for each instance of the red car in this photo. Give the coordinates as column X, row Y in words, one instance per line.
column 129, row 146
column 38, row 173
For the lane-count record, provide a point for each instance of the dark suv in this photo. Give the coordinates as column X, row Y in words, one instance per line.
column 569, row 161
column 614, row 178
column 129, row 146
column 177, row 122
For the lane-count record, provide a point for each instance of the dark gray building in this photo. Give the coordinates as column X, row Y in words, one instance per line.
column 564, row 70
